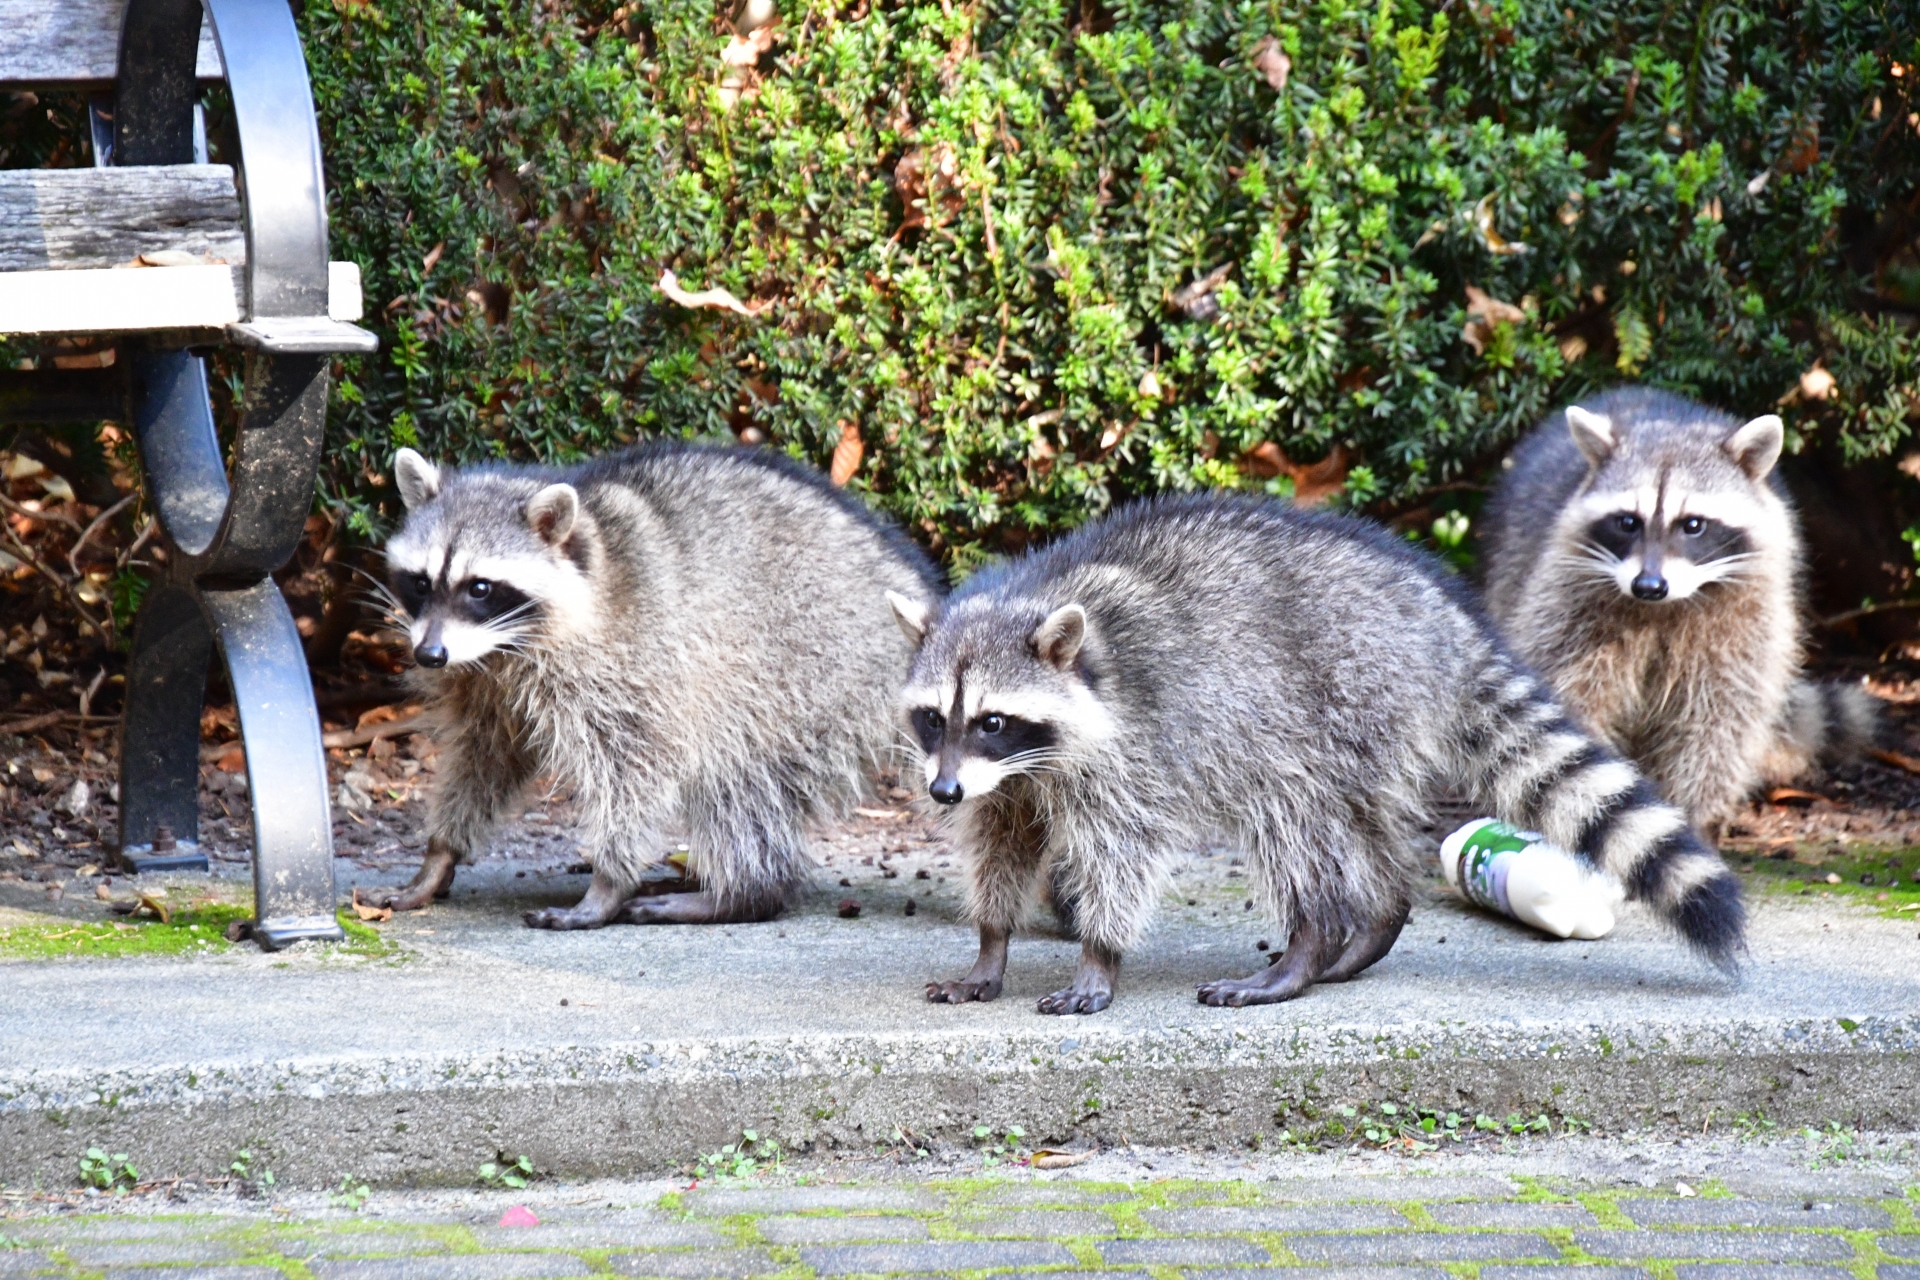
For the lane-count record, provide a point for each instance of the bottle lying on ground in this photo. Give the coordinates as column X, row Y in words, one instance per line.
column 1517, row 873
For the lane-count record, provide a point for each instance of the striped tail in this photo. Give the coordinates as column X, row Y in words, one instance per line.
column 1826, row 723
column 1534, row 767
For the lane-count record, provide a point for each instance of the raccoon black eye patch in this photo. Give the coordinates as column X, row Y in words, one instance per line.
column 1012, row 737
column 1715, row 541
column 1615, row 534
column 927, row 725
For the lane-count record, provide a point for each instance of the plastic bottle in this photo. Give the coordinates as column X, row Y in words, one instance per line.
column 1519, row 874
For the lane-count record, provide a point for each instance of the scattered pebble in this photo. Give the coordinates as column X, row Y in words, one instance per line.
column 849, row 909
column 911, row 908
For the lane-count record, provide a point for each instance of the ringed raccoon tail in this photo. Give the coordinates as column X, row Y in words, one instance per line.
column 1535, row 768
column 1825, row 723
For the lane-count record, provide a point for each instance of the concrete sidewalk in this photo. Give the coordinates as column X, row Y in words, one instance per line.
column 632, row 1050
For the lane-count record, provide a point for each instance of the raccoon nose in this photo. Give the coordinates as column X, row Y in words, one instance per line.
column 946, row 791
column 1649, row 586
column 430, row 654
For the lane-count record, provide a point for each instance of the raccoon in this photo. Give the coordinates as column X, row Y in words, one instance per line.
column 673, row 629
column 1643, row 556
column 1299, row 685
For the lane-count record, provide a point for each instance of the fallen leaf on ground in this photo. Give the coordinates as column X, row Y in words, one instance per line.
column 156, row 906
column 1496, row 244
column 1682, row 1190
column 745, row 51
column 519, row 1216
column 880, row 815
column 717, row 299
column 370, row 914
column 1484, row 312
column 1313, row 482
column 1061, row 1159
column 847, row 454
column 1793, row 795
column 1271, row 61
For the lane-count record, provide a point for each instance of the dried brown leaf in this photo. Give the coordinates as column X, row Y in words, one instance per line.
column 717, row 299
column 370, row 914
column 1271, row 61
column 1045, row 1159
column 847, row 454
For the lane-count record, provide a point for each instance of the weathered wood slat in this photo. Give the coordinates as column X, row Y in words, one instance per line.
column 73, row 44
column 66, row 219
column 109, row 301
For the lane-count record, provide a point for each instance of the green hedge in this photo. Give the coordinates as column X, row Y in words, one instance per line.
column 964, row 231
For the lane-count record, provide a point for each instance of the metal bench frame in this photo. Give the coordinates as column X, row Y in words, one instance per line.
column 225, row 534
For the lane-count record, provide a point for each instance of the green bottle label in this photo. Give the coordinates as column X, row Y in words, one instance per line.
column 1484, row 862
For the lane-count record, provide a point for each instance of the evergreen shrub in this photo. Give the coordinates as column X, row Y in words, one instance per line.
column 1007, row 261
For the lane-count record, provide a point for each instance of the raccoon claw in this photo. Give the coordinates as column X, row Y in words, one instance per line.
column 433, row 881
column 583, row 916
column 1074, row 1000
column 961, row 992
column 1236, row 993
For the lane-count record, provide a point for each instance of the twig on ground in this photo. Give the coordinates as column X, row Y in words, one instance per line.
column 66, row 588
column 60, row 517
column 99, row 522
column 1866, row 611
column 373, row 732
column 48, row 719
column 1895, row 759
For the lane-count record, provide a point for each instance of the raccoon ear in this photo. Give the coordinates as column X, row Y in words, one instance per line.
column 552, row 513
column 417, row 479
column 915, row 619
column 1058, row 639
column 1756, row 446
column 1592, row 432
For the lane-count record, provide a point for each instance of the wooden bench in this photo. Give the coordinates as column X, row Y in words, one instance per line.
column 171, row 256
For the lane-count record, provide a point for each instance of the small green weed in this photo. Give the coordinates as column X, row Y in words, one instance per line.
column 242, row 1172
column 1750, row 1126
column 1830, row 1145
column 995, row 1149
column 11, row 1242
column 105, row 1172
column 350, row 1195
column 741, row 1159
column 514, row 1174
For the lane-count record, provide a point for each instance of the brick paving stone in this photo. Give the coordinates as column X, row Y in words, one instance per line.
column 1899, row 1271
column 806, row 1199
column 840, row 1230
column 1038, row 1193
column 1900, row 1246
column 105, row 1230
column 464, row 1266
column 1388, row 1187
column 359, row 1244
column 197, row 1273
column 25, row 1262
column 1756, row 1271
column 594, row 1235
column 1422, row 1246
column 114, row 1255
column 1699, row 1212
column 1331, row 1217
column 936, row 1255
column 698, row 1264
column 1311, row 1273
column 1192, row 1252
column 1745, row 1246
column 1497, row 1214
column 1040, row 1224
column 1545, row 1271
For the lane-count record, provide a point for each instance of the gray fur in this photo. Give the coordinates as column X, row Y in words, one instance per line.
column 705, row 633
column 1296, row 685
column 1703, row 688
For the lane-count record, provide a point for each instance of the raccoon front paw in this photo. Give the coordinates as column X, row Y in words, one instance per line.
column 961, row 992
column 1076, row 1000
